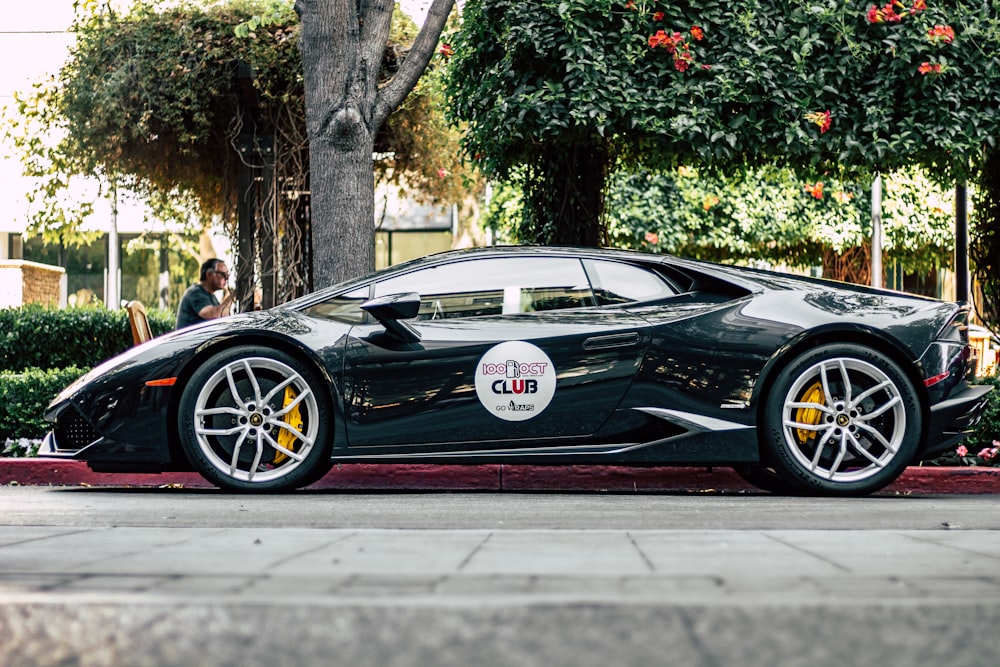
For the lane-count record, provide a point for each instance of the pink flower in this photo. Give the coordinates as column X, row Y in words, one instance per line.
column 986, row 453
column 962, row 450
column 652, row 238
column 442, row 172
column 930, row 68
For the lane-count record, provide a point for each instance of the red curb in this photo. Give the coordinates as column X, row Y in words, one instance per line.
column 425, row 477
column 620, row 478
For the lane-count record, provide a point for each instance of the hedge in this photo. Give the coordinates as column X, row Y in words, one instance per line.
column 35, row 336
column 25, row 395
column 43, row 349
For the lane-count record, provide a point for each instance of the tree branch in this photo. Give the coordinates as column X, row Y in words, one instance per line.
column 391, row 95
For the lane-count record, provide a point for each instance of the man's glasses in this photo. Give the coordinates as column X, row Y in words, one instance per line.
column 224, row 274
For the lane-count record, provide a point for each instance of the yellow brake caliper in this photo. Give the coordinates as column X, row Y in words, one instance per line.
column 293, row 418
column 814, row 394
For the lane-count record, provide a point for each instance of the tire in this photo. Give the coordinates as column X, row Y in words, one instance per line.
column 841, row 420
column 256, row 420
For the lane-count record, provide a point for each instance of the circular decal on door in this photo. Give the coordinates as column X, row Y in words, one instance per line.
column 515, row 380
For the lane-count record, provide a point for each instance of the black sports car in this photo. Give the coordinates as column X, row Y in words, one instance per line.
column 544, row 356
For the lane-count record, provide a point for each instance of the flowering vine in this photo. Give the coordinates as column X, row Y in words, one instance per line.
column 821, row 119
column 888, row 14
column 677, row 45
column 939, row 35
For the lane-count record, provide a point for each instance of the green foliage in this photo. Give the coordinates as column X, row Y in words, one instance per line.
column 24, row 397
column 34, row 336
column 528, row 75
column 988, row 430
column 150, row 98
column 821, row 87
column 43, row 349
column 764, row 214
column 154, row 92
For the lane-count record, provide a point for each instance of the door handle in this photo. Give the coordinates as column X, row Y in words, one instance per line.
column 614, row 340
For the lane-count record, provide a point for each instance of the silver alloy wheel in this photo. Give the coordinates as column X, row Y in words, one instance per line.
column 256, row 419
column 843, row 419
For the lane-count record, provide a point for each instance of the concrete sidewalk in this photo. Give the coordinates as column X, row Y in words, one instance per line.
column 417, row 477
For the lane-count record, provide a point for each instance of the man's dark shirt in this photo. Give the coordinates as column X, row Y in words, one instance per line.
column 195, row 298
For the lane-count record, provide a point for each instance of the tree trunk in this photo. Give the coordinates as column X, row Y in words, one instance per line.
column 564, row 197
column 342, row 42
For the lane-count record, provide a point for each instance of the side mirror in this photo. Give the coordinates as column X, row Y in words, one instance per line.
column 391, row 310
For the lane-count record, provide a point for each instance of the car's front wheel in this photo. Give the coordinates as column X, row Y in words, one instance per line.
column 841, row 419
column 256, row 420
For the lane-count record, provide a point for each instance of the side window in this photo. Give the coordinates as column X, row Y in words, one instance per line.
column 494, row 286
column 343, row 307
column 616, row 282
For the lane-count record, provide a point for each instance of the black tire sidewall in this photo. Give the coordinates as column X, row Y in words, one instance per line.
column 777, row 452
column 316, row 463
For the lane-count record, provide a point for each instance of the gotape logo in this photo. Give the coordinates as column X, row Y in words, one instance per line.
column 515, row 380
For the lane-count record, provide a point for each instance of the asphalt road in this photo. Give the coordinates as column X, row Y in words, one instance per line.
column 179, row 577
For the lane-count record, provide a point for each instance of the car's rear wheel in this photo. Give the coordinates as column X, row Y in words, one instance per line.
column 841, row 419
column 256, row 420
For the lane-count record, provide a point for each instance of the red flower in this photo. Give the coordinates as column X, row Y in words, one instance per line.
column 446, row 50
column 821, row 119
column 815, row 190
column 630, row 5
column 929, row 68
column 941, row 34
column 697, row 33
column 658, row 16
column 918, row 6
column 884, row 14
column 676, row 46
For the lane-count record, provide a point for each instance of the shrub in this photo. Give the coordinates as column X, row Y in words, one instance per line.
column 24, row 397
column 982, row 447
column 36, row 336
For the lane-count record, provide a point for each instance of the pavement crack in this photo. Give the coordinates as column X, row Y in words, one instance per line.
column 472, row 554
column 642, row 554
column 818, row 556
column 936, row 541
column 299, row 554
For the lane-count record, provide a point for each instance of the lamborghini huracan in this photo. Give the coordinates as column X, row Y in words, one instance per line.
column 542, row 355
